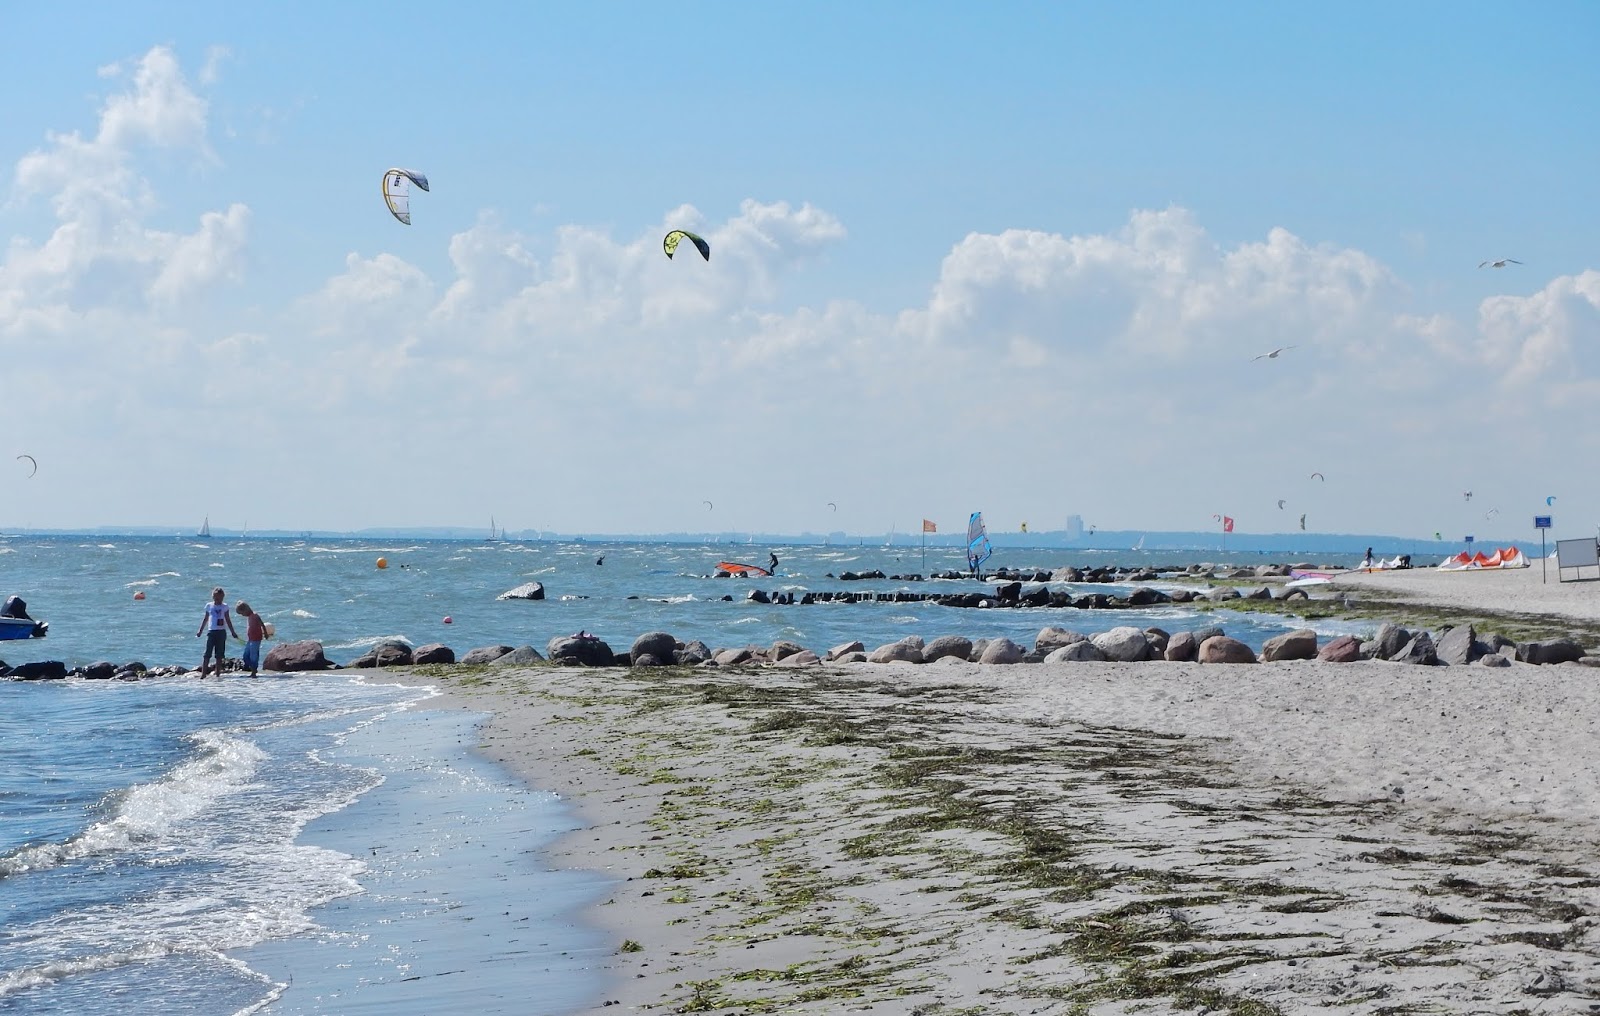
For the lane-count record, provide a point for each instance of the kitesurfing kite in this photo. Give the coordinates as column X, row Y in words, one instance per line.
column 1491, row 513
column 1550, row 500
column 33, row 461
column 1319, row 476
column 1466, row 495
column 1281, row 503
column 1302, row 522
column 669, row 243
column 1499, row 264
column 1438, row 535
column 1272, row 355
column 833, row 506
column 708, row 505
column 978, row 546
column 397, row 191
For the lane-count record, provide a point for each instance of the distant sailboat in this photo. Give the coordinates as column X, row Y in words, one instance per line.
column 205, row 529
column 495, row 536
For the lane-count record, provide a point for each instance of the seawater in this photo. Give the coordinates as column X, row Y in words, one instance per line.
column 316, row 844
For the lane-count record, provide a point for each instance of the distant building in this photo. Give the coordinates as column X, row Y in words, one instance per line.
column 1074, row 527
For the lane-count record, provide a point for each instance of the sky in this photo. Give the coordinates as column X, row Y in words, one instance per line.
column 1022, row 258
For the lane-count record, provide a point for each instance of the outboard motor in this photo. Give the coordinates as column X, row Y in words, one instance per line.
column 15, row 606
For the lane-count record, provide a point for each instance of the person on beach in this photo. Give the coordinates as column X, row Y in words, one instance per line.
column 216, row 626
column 254, row 631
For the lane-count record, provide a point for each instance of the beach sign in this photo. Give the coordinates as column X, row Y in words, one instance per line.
column 1469, row 537
column 1542, row 521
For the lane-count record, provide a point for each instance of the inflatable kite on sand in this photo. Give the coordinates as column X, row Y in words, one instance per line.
column 1505, row 557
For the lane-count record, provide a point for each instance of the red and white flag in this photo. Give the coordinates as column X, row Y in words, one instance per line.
column 1227, row 523
column 928, row 526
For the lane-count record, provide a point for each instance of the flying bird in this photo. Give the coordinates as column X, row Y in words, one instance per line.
column 1499, row 264
column 1272, row 355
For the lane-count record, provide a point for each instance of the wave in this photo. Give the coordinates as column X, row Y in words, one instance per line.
column 368, row 641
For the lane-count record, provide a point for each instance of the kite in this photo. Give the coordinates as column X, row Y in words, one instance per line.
column 1550, row 500
column 1491, row 513
column 32, row 460
column 708, row 505
column 1319, row 476
column 1466, row 495
column 1302, row 522
column 397, row 191
column 1281, row 503
column 833, row 506
column 669, row 243
column 1438, row 536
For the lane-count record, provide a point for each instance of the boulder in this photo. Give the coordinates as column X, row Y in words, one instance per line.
column 657, row 643
column 1264, row 593
column 783, row 649
column 1222, row 649
column 958, row 646
column 852, row 658
column 294, row 657
column 102, row 670
column 1222, row 593
column 1076, row 652
column 484, row 654
column 1296, row 645
column 757, row 596
column 526, row 591
column 1386, row 643
column 388, row 653
column 907, row 650
column 844, row 650
column 734, row 657
column 1493, row 660
column 1051, row 639
column 978, row 646
column 692, row 654
column 1158, row 639
column 433, row 652
column 1201, row 634
column 1546, row 651
column 1002, row 651
column 1125, row 644
column 521, row 656
column 1341, row 649
column 39, row 670
column 1459, row 646
column 579, row 650
column 1182, row 648
column 1144, row 596
column 1008, row 592
column 804, row 658
column 1418, row 651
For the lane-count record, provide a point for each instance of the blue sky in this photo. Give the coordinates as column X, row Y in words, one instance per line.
column 1011, row 257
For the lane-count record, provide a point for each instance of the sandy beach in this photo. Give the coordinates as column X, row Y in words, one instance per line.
column 1533, row 593
column 1105, row 838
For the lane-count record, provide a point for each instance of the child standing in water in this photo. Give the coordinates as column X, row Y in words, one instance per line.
column 254, row 631
column 216, row 626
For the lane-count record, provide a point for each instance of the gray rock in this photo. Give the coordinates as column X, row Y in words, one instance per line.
column 846, row 649
column 1492, row 660
column 856, row 657
column 1222, row 593
column 1296, row 645
column 39, row 670
column 691, row 654
column 978, row 646
column 1222, row 649
column 1144, row 596
column 526, row 591
column 1386, row 643
column 1002, row 651
column 907, row 650
column 958, row 646
column 1459, row 646
column 294, row 657
column 572, row 651
column 484, row 654
column 783, row 649
column 1263, row 593
column 1548, row 651
column 1158, row 639
column 804, row 658
column 1419, row 651
column 1051, row 639
column 521, row 656
column 734, row 657
column 434, row 652
column 1125, row 644
column 1201, row 634
column 103, row 670
column 1076, row 652
column 656, row 643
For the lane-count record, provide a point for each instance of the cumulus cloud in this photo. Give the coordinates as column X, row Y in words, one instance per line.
column 1553, row 334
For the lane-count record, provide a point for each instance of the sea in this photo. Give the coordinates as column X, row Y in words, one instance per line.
column 327, row 844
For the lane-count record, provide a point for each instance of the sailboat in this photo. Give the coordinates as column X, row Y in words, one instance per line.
column 205, row 529
column 495, row 536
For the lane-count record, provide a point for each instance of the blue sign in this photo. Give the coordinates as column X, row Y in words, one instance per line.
column 1469, row 539
column 1541, row 521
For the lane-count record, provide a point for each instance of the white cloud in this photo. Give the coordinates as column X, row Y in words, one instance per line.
column 1552, row 335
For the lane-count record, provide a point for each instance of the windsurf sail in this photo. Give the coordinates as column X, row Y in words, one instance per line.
column 978, row 548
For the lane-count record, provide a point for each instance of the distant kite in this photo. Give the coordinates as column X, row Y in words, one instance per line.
column 669, row 243
column 1438, row 536
column 32, row 460
column 1281, row 503
column 1272, row 355
column 1491, row 513
column 708, row 505
column 1302, row 522
column 1499, row 264
column 1319, row 476
column 833, row 506
column 1466, row 495
column 1550, row 500
column 397, row 191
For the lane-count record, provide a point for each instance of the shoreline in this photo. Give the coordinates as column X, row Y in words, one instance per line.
column 932, row 838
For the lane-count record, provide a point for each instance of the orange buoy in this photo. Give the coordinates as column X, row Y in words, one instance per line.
column 383, row 562
column 139, row 595
column 447, row 619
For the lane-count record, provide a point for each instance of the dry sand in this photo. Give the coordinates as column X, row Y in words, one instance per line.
column 1098, row 838
column 1533, row 592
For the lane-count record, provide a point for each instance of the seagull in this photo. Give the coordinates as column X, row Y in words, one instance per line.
column 1270, row 356
column 1499, row 264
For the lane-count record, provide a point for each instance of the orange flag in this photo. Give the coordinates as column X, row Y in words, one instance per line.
column 929, row 527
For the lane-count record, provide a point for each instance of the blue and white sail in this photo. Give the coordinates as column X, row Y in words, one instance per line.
column 978, row 548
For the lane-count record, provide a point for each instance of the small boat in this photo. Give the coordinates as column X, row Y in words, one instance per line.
column 495, row 535
column 205, row 530
column 742, row 571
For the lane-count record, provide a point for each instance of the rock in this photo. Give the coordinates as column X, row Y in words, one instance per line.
column 1002, row 651
column 757, row 596
column 1341, row 649
column 734, row 657
column 433, row 652
column 852, row 658
column 1201, row 634
column 388, row 653
column 1492, row 660
column 1008, row 592
column 1263, row 593
column 647, row 660
column 1076, row 652
column 1222, row 649
column 526, row 591
column 783, row 649
column 1389, row 640
column 657, row 643
column 1125, row 644
column 1158, row 639
column 484, row 654
column 1547, row 651
column 1222, row 593
column 1051, row 639
column 1144, row 596
column 1296, row 645
column 572, row 651
column 907, row 650
column 1419, row 651
column 958, row 646
column 691, row 654
column 804, row 658
column 39, row 670
column 844, row 650
column 102, row 670
column 1182, row 647
column 521, row 656
column 294, row 657
column 1459, row 646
